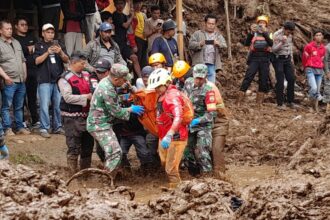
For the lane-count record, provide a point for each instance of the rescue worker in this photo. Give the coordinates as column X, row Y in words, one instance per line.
column 142, row 83
column 180, row 70
column 76, row 95
column 219, row 133
column 203, row 99
column 157, row 60
column 283, row 65
column 172, row 132
column 258, row 60
column 104, row 110
column 102, row 69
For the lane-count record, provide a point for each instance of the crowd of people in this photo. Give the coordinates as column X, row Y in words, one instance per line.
column 89, row 92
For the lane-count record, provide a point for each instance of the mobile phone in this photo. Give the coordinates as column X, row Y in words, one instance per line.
column 209, row 42
column 159, row 24
column 55, row 42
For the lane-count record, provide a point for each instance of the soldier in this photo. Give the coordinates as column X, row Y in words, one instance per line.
column 201, row 94
column 104, row 109
column 75, row 90
column 102, row 69
column 173, row 133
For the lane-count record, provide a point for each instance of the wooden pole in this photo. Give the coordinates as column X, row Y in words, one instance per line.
column 228, row 30
column 179, row 22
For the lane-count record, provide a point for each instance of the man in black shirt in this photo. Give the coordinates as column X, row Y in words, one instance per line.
column 49, row 57
column 27, row 42
column 122, row 23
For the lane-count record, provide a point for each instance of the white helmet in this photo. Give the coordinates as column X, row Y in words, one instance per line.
column 158, row 77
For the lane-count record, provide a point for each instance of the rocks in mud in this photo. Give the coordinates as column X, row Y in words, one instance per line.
column 196, row 199
column 287, row 199
column 28, row 194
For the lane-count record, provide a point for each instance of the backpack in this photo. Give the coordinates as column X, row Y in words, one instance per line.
column 188, row 110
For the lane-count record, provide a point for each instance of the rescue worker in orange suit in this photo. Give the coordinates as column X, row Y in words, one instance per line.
column 76, row 95
column 258, row 60
column 219, row 133
column 173, row 134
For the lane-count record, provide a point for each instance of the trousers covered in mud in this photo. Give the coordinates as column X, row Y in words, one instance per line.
column 78, row 140
column 108, row 141
column 170, row 159
column 219, row 133
column 198, row 152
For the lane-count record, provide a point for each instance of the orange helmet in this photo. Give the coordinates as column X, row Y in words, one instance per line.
column 264, row 18
column 157, row 58
column 180, row 68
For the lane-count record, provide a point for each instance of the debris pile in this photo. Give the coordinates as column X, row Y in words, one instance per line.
column 289, row 199
column 196, row 199
column 28, row 194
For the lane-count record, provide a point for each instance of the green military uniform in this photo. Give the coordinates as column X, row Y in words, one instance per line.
column 197, row 155
column 104, row 110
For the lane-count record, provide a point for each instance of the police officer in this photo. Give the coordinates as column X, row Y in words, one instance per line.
column 76, row 95
column 202, row 96
column 283, row 65
column 260, row 44
column 105, row 108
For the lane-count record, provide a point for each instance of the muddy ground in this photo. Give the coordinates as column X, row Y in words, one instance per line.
column 278, row 162
column 278, row 167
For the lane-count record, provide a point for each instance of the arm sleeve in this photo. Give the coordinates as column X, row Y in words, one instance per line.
column 248, row 40
column 222, row 41
column 155, row 46
column 210, row 102
column 175, row 107
column 194, row 42
column 112, row 106
column 277, row 45
column 66, row 92
column 267, row 38
column 327, row 60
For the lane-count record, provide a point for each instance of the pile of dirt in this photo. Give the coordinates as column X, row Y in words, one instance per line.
column 197, row 199
column 267, row 135
column 28, row 194
column 287, row 199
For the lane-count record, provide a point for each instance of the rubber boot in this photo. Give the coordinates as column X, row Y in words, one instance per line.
column 240, row 98
column 72, row 163
column 260, row 98
column 85, row 163
column 328, row 109
column 316, row 105
column 173, row 185
column 218, row 155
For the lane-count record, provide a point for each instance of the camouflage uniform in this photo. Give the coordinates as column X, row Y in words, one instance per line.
column 197, row 155
column 104, row 110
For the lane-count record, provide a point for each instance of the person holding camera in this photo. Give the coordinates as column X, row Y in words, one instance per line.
column 153, row 26
column 49, row 57
column 283, row 64
column 206, row 45
column 260, row 43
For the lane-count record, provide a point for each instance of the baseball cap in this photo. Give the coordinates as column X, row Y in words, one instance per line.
column 47, row 26
column 105, row 26
column 146, row 71
column 102, row 65
column 200, row 71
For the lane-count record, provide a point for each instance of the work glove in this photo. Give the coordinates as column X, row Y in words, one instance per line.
column 4, row 153
column 137, row 109
column 165, row 143
column 195, row 122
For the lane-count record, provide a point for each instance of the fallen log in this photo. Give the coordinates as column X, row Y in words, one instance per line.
column 91, row 171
